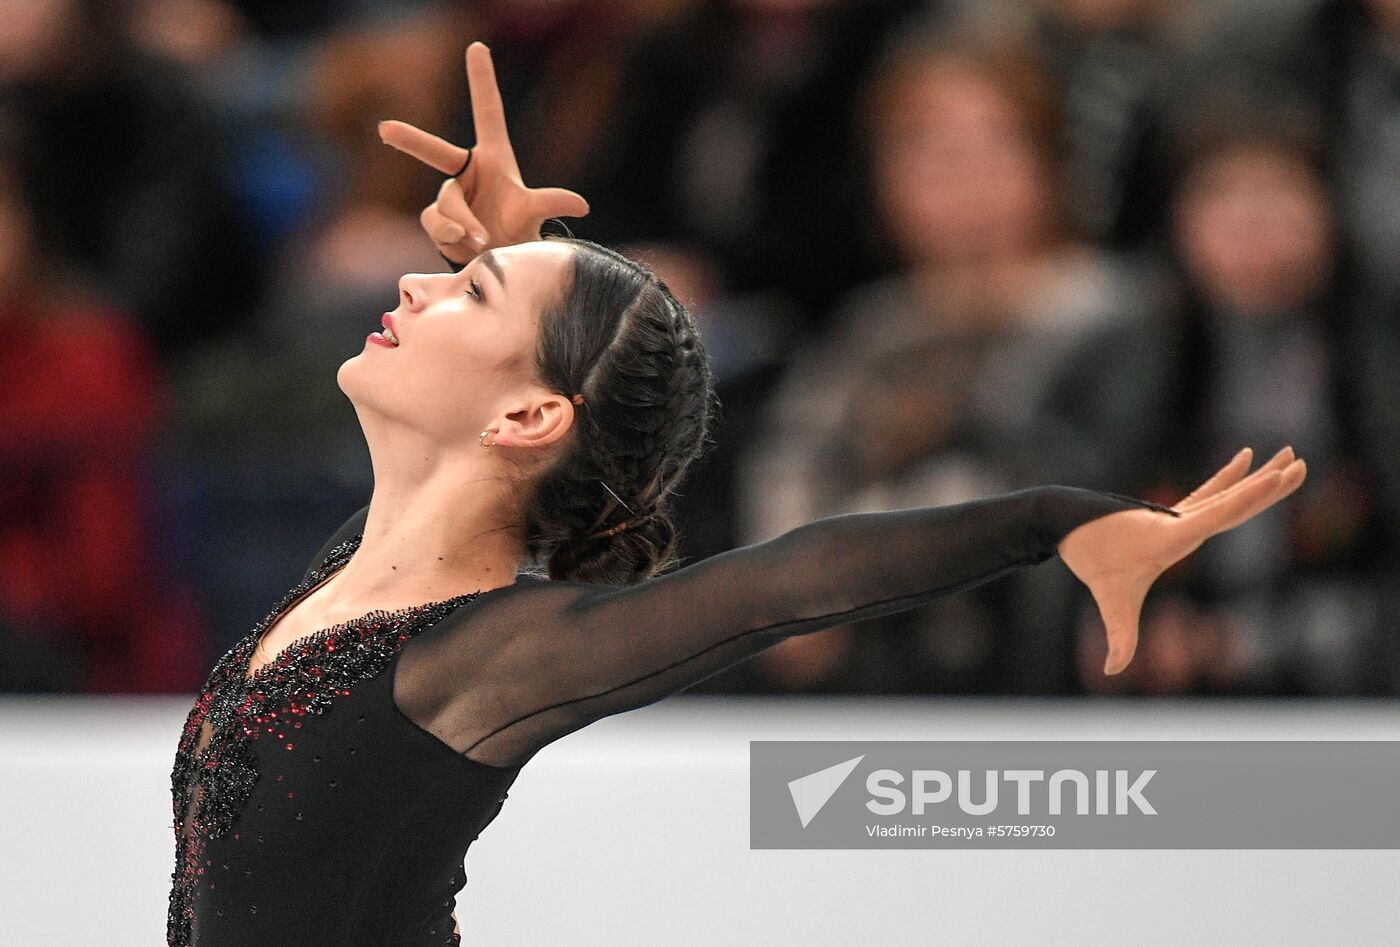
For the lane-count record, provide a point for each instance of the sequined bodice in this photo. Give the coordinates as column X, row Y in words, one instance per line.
column 280, row 775
column 330, row 798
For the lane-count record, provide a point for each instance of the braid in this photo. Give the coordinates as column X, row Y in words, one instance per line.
column 648, row 396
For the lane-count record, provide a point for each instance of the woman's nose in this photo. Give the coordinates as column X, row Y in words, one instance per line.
column 411, row 292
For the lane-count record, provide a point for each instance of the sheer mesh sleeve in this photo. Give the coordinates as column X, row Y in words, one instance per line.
column 526, row 664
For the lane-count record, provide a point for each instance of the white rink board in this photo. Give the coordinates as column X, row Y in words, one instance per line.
column 635, row 832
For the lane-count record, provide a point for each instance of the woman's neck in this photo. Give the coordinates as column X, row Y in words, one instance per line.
column 438, row 525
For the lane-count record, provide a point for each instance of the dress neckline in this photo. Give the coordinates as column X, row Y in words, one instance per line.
column 331, row 566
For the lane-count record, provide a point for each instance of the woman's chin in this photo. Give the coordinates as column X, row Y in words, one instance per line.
column 347, row 376
column 366, row 383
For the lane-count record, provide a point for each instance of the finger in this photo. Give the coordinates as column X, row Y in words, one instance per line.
column 452, row 204
column 488, row 114
column 1251, row 497
column 443, row 232
column 1277, row 463
column 1229, row 475
column 435, row 152
column 546, row 202
column 1226, row 476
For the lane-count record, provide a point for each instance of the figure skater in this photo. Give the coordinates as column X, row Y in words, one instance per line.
column 528, row 418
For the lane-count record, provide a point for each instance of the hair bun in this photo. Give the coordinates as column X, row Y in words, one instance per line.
column 632, row 522
column 624, row 553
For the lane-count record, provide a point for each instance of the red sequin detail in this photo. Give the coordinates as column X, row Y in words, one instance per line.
column 210, row 784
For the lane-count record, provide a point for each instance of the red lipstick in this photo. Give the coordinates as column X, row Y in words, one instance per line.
column 378, row 338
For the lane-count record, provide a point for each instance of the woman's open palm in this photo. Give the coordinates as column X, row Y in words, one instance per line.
column 1120, row 555
column 487, row 205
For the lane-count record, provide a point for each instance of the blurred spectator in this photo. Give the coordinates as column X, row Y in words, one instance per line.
column 1286, row 603
column 1004, row 353
column 561, row 66
column 1370, row 362
column 193, row 32
column 127, row 169
column 85, row 600
column 1112, row 58
column 929, row 265
column 730, row 128
column 1342, row 57
column 307, row 21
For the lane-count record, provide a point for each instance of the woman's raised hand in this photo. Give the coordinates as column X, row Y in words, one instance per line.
column 1120, row 555
column 486, row 205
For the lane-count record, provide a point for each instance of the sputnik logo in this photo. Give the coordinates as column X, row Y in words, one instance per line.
column 813, row 791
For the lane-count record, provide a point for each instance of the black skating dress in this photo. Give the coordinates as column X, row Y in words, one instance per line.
column 329, row 799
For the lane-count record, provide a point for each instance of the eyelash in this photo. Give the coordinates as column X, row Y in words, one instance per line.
column 475, row 289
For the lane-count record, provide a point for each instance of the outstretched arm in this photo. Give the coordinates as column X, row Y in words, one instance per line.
column 570, row 653
column 611, row 649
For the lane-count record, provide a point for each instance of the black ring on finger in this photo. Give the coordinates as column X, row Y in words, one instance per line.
column 464, row 165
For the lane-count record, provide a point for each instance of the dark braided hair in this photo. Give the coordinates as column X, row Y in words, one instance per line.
column 622, row 340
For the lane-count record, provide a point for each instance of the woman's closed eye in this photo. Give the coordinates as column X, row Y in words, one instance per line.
column 474, row 289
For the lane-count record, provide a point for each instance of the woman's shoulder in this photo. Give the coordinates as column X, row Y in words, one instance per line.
column 537, row 603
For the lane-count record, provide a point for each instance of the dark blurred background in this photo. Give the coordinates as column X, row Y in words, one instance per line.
column 937, row 250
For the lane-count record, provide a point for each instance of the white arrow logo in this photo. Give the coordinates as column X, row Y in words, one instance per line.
column 811, row 792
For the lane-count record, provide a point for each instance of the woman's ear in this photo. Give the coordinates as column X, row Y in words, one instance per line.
column 538, row 424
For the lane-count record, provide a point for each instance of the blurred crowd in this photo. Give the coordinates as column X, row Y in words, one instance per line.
column 937, row 250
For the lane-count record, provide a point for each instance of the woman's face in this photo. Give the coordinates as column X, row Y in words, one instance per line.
column 467, row 343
